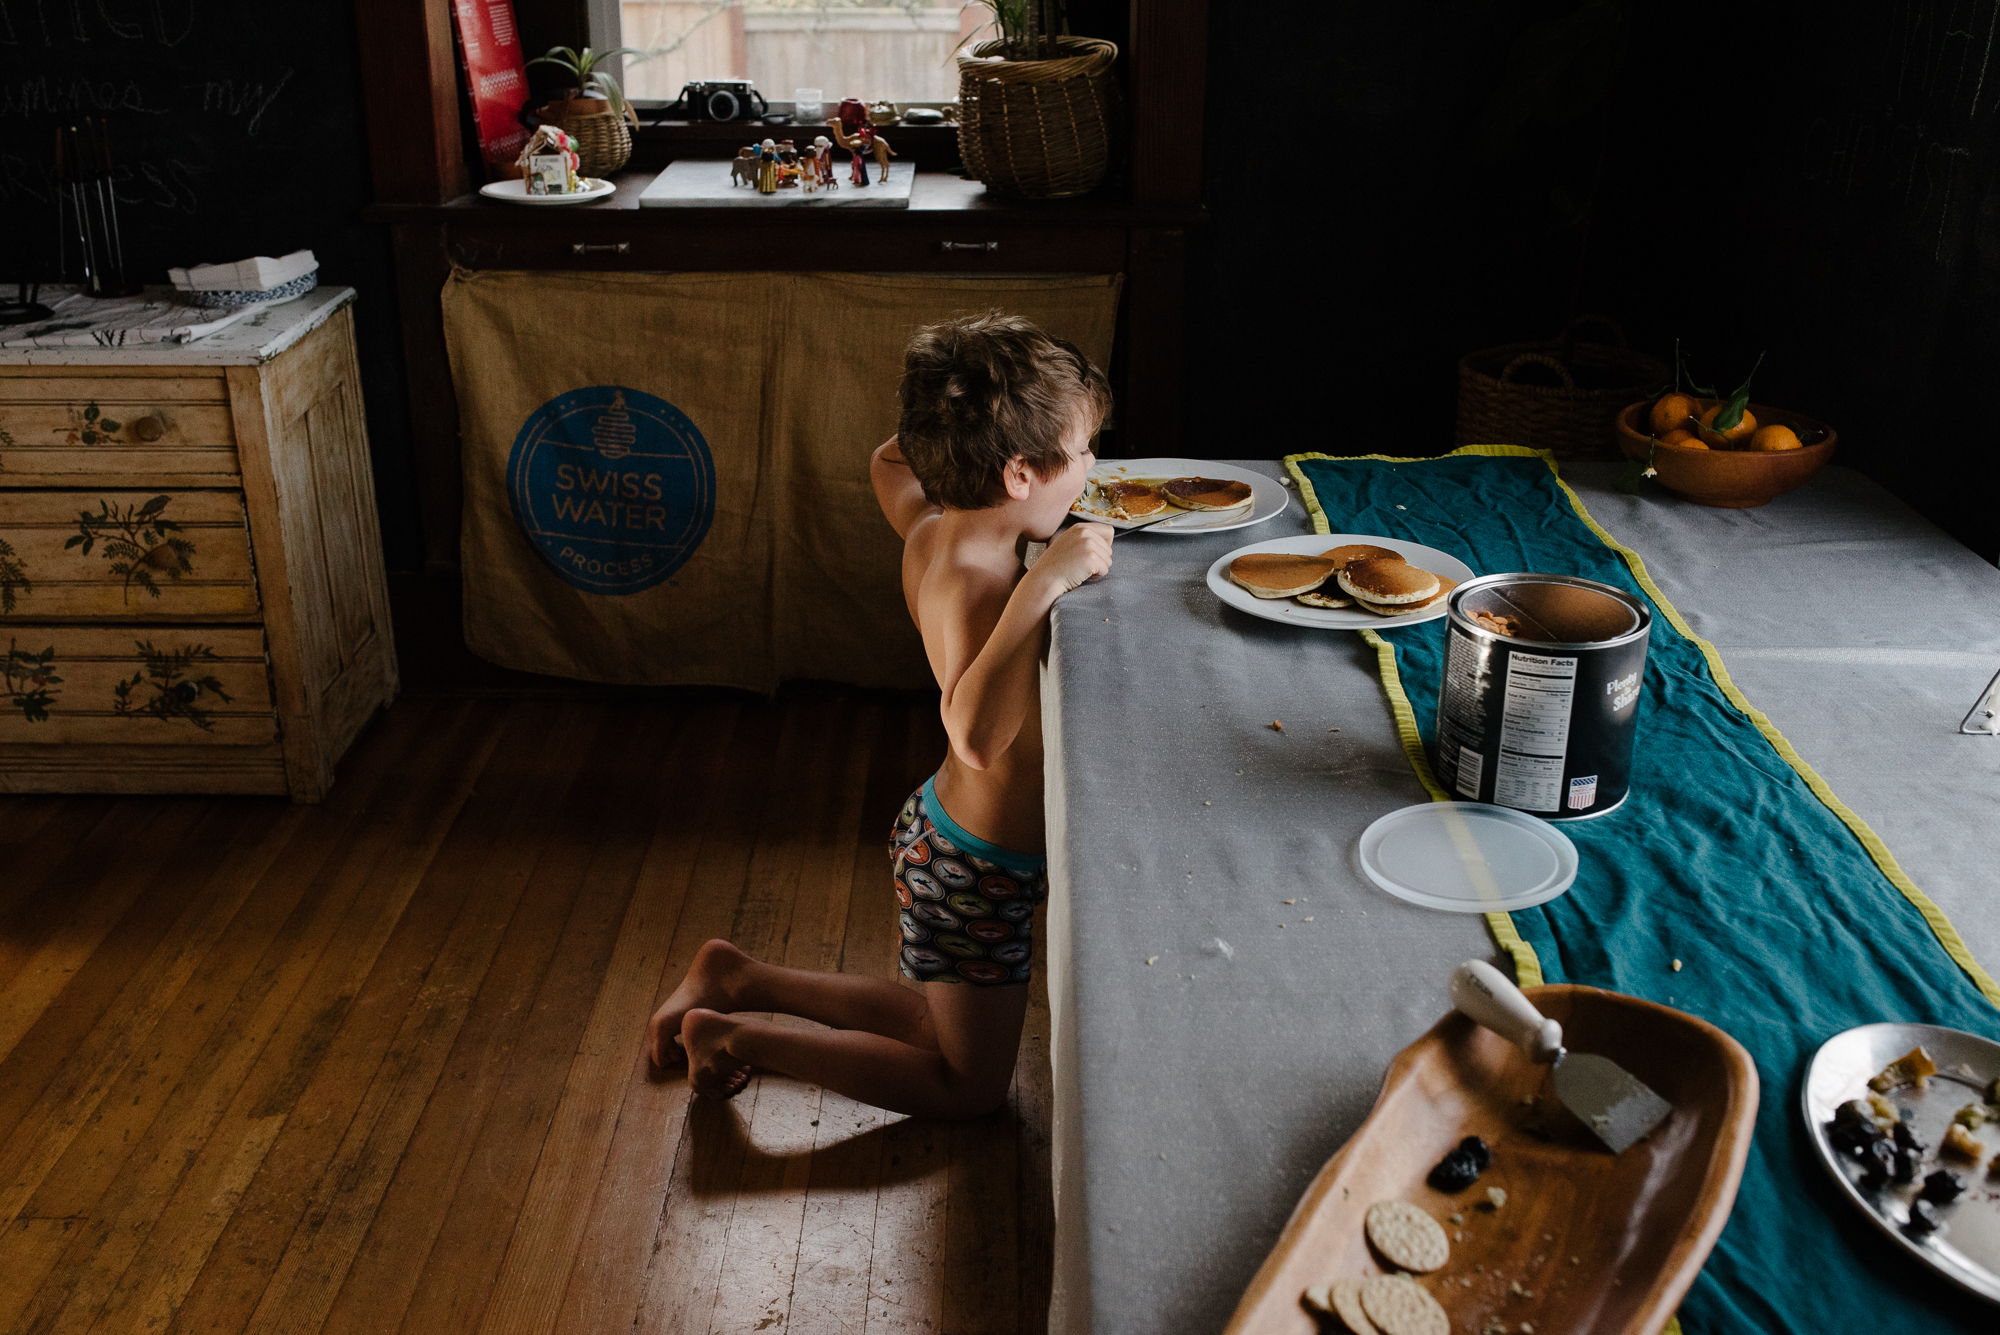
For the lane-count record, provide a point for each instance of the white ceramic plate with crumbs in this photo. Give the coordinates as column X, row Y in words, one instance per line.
column 1293, row 613
column 1965, row 1249
column 516, row 192
column 1268, row 498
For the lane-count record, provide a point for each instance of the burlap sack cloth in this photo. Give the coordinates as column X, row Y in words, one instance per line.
column 666, row 475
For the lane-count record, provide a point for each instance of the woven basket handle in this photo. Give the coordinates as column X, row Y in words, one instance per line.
column 1539, row 359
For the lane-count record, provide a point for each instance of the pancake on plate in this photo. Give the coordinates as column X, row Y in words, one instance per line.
column 1203, row 493
column 1330, row 595
column 1389, row 588
column 1129, row 500
column 1280, row 574
column 1445, row 586
column 1359, row 551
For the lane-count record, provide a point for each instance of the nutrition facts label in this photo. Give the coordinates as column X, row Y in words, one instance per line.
column 1534, row 731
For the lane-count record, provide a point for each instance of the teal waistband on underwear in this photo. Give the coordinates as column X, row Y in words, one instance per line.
column 1032, row 863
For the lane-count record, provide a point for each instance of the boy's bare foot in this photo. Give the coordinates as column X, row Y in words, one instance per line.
column 706, row 985
column 711, row 1069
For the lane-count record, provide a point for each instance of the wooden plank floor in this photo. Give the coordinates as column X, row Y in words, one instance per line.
column 375, row 1065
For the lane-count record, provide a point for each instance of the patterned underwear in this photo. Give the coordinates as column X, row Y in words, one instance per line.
column 965, row 904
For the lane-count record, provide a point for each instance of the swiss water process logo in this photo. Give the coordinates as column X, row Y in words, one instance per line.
column 615, row 487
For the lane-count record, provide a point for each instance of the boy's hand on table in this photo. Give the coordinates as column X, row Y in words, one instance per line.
column 1079, row 553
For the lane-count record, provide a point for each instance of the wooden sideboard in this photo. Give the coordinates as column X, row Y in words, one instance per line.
column 191, row 589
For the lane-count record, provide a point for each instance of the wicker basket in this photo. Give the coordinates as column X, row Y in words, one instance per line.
column 603, row 140
column 1043, row 129
column 1575, row 418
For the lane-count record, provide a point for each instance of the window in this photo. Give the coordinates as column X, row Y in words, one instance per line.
column 876, row 50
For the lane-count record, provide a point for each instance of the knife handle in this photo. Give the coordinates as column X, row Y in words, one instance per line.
column 1484, row 994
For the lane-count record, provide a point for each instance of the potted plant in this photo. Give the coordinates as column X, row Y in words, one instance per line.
column 1039, row 112
column 593, row 110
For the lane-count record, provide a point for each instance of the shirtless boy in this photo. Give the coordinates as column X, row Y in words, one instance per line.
column 992, row 449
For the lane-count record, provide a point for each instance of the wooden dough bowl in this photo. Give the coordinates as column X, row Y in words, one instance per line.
column 1639, row 1225
column 1730, row 479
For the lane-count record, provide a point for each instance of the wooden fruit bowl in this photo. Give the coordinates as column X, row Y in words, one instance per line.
column 1730, row 479
column 1639, row 1224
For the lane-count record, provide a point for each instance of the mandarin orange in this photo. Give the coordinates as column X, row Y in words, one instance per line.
column 1672, row 413
column 1730, row 439
column 1775, row 437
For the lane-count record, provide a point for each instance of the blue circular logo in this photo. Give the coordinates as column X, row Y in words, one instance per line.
column 616, row 488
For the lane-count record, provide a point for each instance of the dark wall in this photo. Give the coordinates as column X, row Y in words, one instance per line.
column 1814, row 181
column 237, row 129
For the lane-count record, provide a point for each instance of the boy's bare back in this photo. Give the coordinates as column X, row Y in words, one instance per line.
column 983, row 621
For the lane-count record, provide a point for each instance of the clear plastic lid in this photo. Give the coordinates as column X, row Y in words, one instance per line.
column 1468, row 857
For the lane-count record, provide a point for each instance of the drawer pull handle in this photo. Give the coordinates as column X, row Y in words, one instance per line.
column 149, row 427
column 606, row 248
column 949, row 246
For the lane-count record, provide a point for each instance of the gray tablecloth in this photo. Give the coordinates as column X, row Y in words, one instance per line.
column 1196, row 1095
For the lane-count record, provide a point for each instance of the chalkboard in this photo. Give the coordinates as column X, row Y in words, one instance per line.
column 236, row 129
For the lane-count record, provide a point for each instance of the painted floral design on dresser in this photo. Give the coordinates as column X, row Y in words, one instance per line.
column 139, row 542
column 13, row 579
column 29, row 678
column 165, row 688
column 88, row 426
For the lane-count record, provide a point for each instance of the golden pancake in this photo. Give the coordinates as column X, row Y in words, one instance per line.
column 1393, row 582
column 1130, row 500
column 1202, row 493
column 1279, row 574
column 1358, row 551
column 1324, row 597
column 1445, row 586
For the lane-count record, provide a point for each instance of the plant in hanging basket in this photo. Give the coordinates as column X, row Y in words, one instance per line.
column 1039, row 110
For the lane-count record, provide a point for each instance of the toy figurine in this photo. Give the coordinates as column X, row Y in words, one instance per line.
column 853, row 132
column 743, row 170
column 788, row 165
column 809, row 169
column 767, row 169
column 823, row 160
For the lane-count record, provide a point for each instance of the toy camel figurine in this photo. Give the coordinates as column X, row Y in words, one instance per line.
column 863, row 143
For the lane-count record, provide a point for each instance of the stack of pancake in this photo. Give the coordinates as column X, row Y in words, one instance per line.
column 1358, row 575
column 1123, row 498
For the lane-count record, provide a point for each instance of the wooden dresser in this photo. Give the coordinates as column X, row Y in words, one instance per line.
column 191, row 587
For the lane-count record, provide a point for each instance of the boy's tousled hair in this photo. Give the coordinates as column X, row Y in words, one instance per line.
column 979, row 390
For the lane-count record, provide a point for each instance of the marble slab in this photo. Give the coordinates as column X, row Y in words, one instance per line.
column 707, row 185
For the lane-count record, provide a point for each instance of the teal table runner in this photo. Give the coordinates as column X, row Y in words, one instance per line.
column 1792, row 921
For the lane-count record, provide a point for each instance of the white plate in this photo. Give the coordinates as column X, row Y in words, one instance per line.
column 1333, row 618
column 1268, row 497
column 516, row 192
column 1967, row 1249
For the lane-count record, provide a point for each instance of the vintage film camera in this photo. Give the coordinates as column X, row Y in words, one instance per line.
column 722, row 100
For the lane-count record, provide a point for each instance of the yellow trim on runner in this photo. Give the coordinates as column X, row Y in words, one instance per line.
column 1527, row 965
column 1503, row 926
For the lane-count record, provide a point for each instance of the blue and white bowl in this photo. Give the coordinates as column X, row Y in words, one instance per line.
column 298, row 287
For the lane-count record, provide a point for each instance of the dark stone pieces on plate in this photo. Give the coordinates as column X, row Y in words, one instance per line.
column 1462, row 1167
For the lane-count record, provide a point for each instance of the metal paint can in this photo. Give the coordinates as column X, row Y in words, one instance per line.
column 1540, row 699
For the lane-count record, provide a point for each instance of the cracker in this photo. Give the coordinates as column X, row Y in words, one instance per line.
column 1407, row 1237
column 1344, row 1295
column 1398, row 1306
